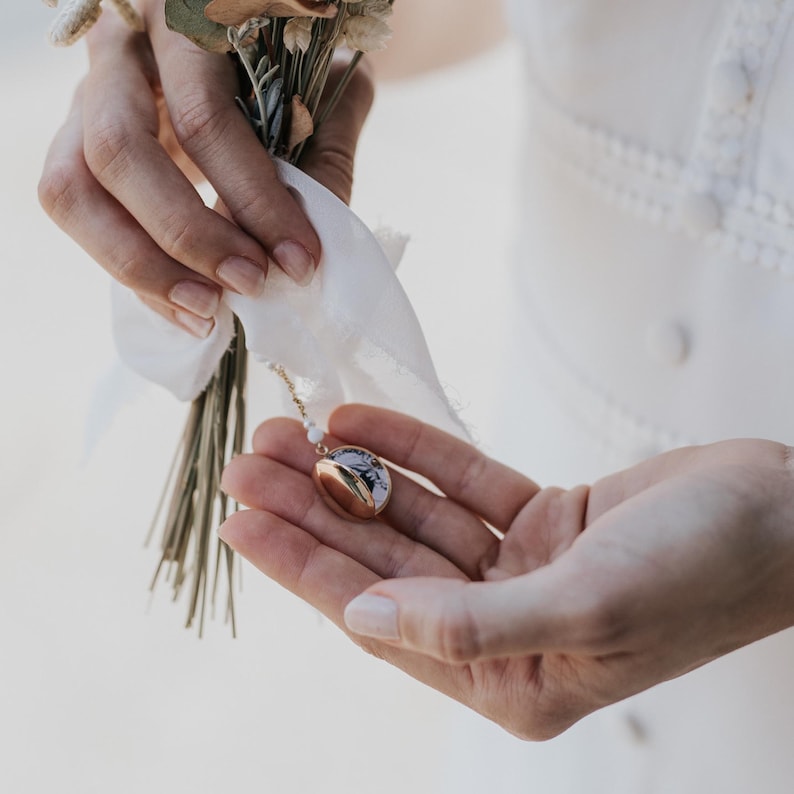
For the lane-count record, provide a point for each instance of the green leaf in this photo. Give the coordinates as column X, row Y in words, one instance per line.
column 187, row 17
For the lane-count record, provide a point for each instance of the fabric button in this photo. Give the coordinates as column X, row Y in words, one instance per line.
column 731, row 87
column 667, row 343
column 699, row 213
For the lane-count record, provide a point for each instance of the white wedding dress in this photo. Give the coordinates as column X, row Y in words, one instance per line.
column 655, row 307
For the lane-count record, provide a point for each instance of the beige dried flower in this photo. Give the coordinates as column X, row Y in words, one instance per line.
column 366, row 33
column 77, row 17
column 298, row 34
column 235, row 12
column 74, row 20
column 380, row 9
column 301, row 123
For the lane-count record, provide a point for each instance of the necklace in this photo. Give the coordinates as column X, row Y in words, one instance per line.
column 352, row 481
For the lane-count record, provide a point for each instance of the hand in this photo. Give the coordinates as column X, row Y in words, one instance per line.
column 154, row 115
column 594, row 594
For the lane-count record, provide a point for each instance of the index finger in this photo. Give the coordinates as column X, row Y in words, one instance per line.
column 200, row 89
column 124, row 154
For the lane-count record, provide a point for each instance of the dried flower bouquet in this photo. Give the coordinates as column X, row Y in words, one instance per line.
column 285, row 49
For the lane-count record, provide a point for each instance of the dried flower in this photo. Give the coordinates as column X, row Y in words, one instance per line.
column 298, row 34
column 77, row 17
column 74, row 20
column 301, row 124
column 366, row 33
column 235, row 12
column 380, row 9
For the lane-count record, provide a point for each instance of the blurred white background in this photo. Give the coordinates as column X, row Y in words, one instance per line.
column 100, row 692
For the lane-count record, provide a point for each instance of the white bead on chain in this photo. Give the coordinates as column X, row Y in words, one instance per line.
column 314, row 434
column 351, row 480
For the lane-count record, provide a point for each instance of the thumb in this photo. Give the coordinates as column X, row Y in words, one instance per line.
column 459, row 622
column 330, row 153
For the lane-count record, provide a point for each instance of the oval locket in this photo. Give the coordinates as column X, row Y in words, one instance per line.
column 353, row 482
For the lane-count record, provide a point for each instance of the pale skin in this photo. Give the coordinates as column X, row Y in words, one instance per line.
column 594, row 593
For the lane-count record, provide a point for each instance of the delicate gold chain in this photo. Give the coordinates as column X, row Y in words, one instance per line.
column 293, row 392
column 279, row 370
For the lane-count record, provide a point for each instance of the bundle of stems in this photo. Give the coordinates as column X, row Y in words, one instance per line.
column 195, row 503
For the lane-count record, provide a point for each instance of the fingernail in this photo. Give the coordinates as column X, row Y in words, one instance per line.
column 243, row 276
column 295, row 261
column 199, row 299
column 373, row 616
column 197, row 326
column 222, row 532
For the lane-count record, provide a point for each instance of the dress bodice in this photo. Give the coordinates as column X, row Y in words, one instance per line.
column 655, row 307
column 658, row 258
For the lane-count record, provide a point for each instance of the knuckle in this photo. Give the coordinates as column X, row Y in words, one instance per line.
column 473, row 467
column 178, row 236
column 458, row 638
column 107, row 151
column 59, row 190
column 196, row 121
column 258, row 202
column 129, row 273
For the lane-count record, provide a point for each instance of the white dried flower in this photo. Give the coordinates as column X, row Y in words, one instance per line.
column 50, row 3
column 380, row 9
column 77, row 17
column 365, row 33
column 73, row 20
column 298, row 34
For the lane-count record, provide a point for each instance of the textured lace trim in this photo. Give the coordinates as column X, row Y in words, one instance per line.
column 710, row 196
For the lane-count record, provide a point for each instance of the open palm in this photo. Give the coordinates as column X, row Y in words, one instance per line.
column 539, row 623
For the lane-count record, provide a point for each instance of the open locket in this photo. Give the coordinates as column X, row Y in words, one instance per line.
column 353, row 482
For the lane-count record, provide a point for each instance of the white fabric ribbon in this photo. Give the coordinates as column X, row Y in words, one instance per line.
column 350, row 336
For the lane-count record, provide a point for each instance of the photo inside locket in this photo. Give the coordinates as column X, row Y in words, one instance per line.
column 367, row 468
